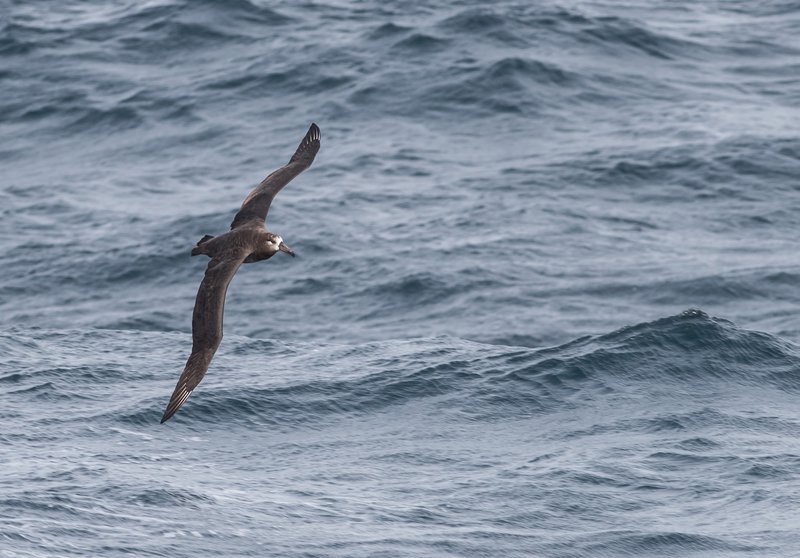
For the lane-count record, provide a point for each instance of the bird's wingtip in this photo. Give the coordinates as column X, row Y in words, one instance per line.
column 308, row 146
column 167, row 415
column 313, row 132
column 178, row 398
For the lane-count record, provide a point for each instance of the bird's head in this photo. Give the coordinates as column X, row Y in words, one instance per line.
column 275, row 243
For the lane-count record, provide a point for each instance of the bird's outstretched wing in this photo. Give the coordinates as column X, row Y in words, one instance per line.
column 256, row 204
column 209, row 308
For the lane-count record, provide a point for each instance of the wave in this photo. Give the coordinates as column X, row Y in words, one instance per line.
column 613, row 33
column 430, row 68
column 489, row 382
column 632, row 543
column 724, row 168
column 303, row 385
column 508, row 85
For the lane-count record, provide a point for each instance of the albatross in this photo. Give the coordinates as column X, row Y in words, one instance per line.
column 248, row 241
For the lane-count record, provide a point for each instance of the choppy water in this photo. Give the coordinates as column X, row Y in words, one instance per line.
column 483, row 347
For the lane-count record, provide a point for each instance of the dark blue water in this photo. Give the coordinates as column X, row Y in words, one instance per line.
column 546, row 300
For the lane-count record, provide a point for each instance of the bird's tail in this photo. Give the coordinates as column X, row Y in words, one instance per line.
column 199, row 248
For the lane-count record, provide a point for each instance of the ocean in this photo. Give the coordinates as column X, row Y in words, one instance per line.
column 545, row 301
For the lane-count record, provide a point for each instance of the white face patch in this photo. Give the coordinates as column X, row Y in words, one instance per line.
column 274, row 242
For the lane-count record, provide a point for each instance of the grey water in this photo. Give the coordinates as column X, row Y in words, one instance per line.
column 545, row 301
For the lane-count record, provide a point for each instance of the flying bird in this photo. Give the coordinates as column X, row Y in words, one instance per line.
column 248, row 241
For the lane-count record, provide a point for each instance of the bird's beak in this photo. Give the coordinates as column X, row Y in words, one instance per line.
column 283, row 248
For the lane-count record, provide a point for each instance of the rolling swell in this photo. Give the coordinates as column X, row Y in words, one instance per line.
column 701, row 378
column 299, row 386
column 446, row 377
column 486, row 382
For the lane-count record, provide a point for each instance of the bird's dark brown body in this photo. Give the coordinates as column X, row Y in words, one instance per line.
column 260, row 244
column 248, row 241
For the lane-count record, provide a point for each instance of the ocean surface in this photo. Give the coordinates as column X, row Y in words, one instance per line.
column 546, row 301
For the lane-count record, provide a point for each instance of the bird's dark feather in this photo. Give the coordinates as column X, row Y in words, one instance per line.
column 228, row 252
column 256, row 205
column 209, row 308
